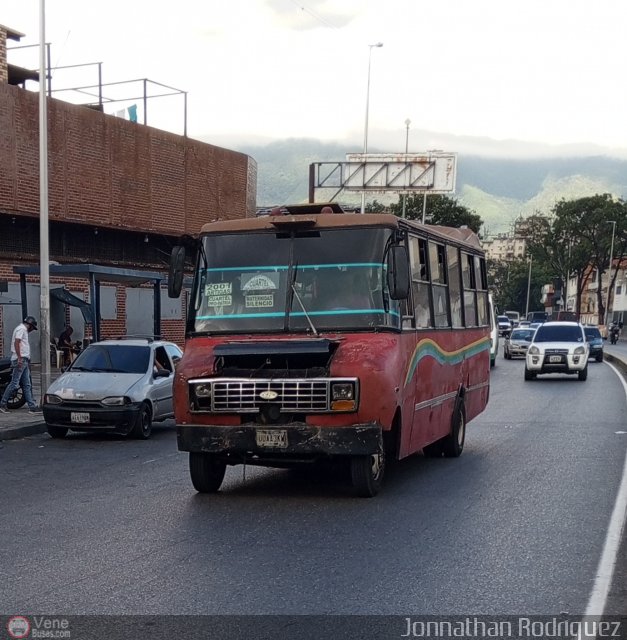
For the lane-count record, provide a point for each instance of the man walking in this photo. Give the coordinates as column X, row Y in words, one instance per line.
column 20, row 364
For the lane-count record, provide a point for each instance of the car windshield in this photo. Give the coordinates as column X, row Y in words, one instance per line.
column 522, row 334
column 592, row 333
column 291, row 281
column 118, row 358
column 503, row 319
column 558, row 333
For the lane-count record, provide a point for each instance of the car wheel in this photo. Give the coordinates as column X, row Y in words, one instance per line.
column 143, row 424
column 367, row 474
column 599, row 357
column 453, row 444
column 529, row 375
column 583, row 374
column 57, row 432
column 206, row 471
column 17, row 399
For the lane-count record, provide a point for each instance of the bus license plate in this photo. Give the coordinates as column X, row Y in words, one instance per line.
column 272, row 438
column 79, row 417
column 555, row 358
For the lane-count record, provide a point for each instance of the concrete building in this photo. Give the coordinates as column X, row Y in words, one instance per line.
column 120, row 194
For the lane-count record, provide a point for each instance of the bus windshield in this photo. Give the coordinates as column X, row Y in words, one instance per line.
column 290, row 281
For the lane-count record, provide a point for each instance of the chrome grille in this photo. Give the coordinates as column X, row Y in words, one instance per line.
column 237, row 395
column 556, row 352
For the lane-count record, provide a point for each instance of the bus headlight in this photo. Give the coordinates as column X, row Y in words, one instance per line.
column 203, row 390
column 343, row 396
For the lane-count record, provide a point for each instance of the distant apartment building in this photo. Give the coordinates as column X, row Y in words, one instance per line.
column 504, row 247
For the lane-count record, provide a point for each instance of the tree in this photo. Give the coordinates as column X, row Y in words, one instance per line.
column 440, row 210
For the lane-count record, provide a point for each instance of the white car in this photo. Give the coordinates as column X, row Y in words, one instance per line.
column 558, row 347
column 115, row 385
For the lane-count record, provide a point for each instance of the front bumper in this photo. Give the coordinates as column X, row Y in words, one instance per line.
column 539, row 363
column 515, row 350
column 298, row 440
column 119, row 419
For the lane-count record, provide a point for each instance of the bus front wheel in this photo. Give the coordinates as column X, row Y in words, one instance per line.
column 206, row 472
column 367, row 474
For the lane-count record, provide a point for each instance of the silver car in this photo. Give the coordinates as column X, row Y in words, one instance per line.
column 517, row 343
column 114, row 385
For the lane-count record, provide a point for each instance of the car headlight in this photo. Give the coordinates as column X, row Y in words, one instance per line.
column 533, row 350
column 115, row 401
column 579, row 350
column 203, row 390
column 50, row 398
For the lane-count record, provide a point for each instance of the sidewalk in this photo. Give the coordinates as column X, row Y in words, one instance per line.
column 19, row 423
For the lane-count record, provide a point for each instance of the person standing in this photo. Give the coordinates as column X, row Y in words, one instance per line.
column 20, row 365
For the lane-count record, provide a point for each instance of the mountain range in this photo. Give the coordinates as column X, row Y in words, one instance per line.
column 499, row 180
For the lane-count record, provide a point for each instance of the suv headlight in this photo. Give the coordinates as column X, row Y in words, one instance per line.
column 115, row 401
column 533, row 350
column 50, row 398
column 579, row 350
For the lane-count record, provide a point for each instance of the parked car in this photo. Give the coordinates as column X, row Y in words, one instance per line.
column 114, row 385
column 595, row 342
column 505, row 326
column 517, row 343
column 558, row 347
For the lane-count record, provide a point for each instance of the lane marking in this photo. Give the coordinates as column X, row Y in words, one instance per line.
column 607, row 563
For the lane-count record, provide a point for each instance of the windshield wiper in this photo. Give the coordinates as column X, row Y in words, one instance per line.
column 302, row 306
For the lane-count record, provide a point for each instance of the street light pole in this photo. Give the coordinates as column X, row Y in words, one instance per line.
column 407, row 123
column 370, row 48
column 609, row 282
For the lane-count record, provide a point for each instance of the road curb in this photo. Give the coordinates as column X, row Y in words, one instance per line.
column 618, row 362
column 21, row 431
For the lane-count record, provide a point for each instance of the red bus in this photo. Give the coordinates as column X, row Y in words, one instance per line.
column 314, row 336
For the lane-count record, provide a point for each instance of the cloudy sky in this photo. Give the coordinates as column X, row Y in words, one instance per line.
column 538, row 71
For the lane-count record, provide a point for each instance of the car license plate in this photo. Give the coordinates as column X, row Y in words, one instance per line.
column 79, row 417
column 272, row 438
column 555, row 358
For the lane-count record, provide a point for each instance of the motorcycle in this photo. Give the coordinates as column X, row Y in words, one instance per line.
column 614, row 331
column 17, row 398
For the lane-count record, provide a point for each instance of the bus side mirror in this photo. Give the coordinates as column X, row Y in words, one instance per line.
column 177, row 271
column 398, row 272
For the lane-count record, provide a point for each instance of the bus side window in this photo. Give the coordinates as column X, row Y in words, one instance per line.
column 420, row 282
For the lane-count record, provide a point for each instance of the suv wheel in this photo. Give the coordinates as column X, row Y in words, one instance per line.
column 529, row 375
column 583, row 374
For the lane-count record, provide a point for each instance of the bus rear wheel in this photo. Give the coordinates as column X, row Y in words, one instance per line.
column 367, row 474
column 453, row 443
column 206, row 471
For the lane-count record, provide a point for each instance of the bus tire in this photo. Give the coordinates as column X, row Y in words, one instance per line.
column 433, row 450
column 206, row 472
column 453, row 443
column 367, row 474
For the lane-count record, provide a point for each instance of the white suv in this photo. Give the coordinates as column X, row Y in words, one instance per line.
column 558, row 347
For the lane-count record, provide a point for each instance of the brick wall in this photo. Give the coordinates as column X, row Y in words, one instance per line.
column 115, row 173
column 4, row 73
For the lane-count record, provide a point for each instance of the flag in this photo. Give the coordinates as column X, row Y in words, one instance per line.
column 132, row 113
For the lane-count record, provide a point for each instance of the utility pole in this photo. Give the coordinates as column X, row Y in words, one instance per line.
column 528, row 286
column 407, row 123
column 44, row 249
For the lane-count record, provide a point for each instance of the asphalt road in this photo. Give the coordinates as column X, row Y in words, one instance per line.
column 102, row 525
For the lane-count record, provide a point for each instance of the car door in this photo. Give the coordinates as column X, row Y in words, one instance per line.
column 161, row 384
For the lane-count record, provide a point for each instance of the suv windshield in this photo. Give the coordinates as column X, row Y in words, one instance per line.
column 592, row 333
column 558, row 333
column 119, row 358
column 288, row 281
